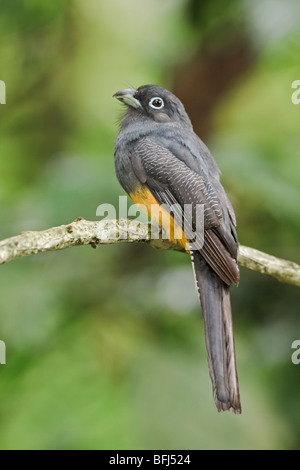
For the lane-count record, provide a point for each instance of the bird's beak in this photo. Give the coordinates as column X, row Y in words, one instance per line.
column 127, row 96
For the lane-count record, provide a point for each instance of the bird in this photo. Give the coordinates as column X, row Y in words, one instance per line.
column 161, row 162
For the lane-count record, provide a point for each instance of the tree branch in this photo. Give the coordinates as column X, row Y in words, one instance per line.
column 84, row 232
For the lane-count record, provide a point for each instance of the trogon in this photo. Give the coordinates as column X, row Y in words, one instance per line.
column 161, row 162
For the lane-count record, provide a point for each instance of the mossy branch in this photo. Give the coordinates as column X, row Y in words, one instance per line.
column 84, row 232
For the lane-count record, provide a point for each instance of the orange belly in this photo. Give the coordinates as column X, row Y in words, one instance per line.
column 145, row 200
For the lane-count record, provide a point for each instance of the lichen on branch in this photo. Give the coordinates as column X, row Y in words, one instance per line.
column 94, row 233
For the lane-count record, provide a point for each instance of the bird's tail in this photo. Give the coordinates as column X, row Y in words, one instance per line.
column 216, row 309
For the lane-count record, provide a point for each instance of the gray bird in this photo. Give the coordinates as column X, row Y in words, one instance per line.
column 160, row 161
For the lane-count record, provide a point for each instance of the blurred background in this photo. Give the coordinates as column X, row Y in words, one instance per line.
column 105, row 348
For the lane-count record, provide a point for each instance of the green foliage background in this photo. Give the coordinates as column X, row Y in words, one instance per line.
column 105, row 348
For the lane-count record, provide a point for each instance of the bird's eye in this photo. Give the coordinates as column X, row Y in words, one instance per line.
column 156, row 103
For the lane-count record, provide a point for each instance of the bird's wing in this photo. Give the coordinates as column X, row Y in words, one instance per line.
column 172, row 182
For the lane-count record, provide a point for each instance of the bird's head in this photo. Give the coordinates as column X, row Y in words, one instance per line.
column 153, row 102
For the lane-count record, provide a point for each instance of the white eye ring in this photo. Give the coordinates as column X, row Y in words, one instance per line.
column 160, row 102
